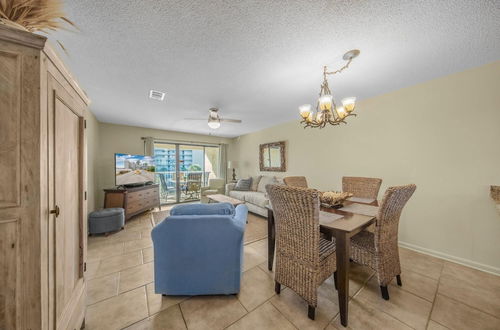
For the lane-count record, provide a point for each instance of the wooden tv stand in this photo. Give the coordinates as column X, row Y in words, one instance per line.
column 134, row 200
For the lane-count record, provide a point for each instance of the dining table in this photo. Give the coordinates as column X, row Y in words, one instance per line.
column 356, row 215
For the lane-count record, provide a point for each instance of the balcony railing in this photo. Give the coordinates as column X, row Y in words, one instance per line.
column 190, row 183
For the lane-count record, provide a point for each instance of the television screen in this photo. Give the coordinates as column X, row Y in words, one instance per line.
column 133, row 169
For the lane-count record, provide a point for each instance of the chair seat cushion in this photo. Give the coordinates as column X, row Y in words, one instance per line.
column 327, row 259
column 326, row 248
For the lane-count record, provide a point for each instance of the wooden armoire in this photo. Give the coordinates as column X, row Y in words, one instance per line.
column 42, row 187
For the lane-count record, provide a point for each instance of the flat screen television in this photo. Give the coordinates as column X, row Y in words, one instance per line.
column 134, row 170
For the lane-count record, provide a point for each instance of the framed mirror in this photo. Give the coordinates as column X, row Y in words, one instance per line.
column 272, row 157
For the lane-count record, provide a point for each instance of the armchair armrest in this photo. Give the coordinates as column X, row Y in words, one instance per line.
column 229, row 187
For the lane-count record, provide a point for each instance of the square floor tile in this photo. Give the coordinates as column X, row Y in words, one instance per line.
column 402, row 305
column 475, row 288
column 211, row 312
column 138, row 244
column 158, row 302
column 251, row 258
column 147, row 254
column 455, row 315
column 363, row 315
column 118, row 263
column 102, row 251
column 256, row 288
column 294, row 307
column 265, row 316
column 420, row 285
column 118, row 312
column 421, row 263
column 102, row 288
column 134, row 277
column 169, row 319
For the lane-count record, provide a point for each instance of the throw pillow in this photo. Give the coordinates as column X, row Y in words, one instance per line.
column 243, row 184
column 255, row 182
column 264, row 181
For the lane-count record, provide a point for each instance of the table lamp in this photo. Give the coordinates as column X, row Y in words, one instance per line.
column 232, row 164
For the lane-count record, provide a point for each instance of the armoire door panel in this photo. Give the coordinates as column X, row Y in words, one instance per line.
column 10, row 129
column 8, row 272
column 66, row 173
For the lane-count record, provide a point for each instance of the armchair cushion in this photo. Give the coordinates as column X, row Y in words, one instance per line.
column 203, row 209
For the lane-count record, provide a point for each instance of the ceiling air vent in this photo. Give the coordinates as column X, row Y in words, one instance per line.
column 156, row 95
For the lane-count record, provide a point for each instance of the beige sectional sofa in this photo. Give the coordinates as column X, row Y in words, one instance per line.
column 256, row 198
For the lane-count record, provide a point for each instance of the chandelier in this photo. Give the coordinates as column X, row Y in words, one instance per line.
column 327, row 112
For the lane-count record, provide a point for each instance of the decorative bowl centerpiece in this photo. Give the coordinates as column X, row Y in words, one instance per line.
column 334, row 199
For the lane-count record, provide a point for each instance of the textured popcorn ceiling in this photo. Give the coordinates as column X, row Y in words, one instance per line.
column 259, row 60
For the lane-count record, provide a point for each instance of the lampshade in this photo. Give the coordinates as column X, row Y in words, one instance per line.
column 232, row 163
column 325, row 102
column 305, row 110
column 349, row 103
column 341, row 112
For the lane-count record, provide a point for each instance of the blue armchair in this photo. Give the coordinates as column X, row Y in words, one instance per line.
column 198, row 250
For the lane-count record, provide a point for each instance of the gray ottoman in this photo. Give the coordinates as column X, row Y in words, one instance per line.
column 106, row 220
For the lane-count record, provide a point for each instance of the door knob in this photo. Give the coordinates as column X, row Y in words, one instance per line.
column 55, row 211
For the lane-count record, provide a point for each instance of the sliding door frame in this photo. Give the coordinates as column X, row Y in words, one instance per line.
column 178, row 145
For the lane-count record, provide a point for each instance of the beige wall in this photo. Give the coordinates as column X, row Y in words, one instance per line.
column 443, row 135
column 127, row 139
column 92, row 152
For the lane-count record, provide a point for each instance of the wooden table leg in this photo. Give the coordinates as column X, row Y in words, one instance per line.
column 271, row 238
column 343, row 245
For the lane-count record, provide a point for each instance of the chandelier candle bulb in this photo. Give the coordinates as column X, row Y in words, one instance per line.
column 341, row 112
column 325, row 102
column 349, row 103
column 305, row 110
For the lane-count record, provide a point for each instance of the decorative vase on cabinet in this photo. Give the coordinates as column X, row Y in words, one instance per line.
column 43, row 180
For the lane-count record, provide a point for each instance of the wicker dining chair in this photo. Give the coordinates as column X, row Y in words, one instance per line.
column 296, row 181
column 379, row 250
column 304, row 260
column 361, row 187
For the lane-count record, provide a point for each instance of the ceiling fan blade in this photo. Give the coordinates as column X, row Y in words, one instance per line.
column 195, row 119
column 227, row 120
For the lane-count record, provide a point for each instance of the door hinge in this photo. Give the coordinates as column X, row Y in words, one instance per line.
column 85, row 195
column 84, row 266
column 85, row 123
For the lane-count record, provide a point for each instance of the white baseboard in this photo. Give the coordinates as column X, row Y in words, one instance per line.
column 458, row 260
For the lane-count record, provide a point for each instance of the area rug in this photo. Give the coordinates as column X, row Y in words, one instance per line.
column 255, row 230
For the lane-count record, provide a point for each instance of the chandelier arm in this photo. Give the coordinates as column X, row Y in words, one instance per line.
column 339, row 70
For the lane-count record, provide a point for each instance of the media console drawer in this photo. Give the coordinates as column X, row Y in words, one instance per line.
column 134, row 200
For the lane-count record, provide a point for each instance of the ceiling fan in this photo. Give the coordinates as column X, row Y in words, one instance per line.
column 214, row 119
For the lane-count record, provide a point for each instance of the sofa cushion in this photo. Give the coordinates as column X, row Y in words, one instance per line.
column 256, row 198
column 243, row 184
column 264, row 181
column 238, row 194
column 255, row 182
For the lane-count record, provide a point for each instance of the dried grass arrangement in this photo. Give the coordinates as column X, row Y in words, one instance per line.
column 34, row 15
column 334, row 198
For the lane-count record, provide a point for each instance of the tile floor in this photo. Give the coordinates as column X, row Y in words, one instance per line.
column 435, row 295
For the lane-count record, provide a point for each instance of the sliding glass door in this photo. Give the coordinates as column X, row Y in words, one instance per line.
column 182, row 169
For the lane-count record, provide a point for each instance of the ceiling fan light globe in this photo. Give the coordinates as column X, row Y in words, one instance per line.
column 214, row 124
